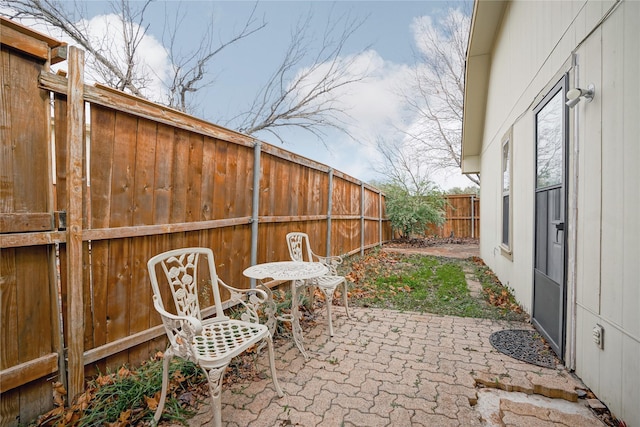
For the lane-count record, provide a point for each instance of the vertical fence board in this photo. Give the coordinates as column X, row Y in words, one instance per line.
column 194, row 178
column 35, row 398
column 232, row 190
column 9, row 313
column 6, row 132
column 121, row 214
column 180, row 177
column 243, row 182
column 140, row 295
column 10, row 407
column 295, row 189
column 224, row 167
column 208, row 189
column 9, row 401
column 60, row 129
column 162, row 200
column 103, row 122
column 28, row 112
column 221, row 169
column 163, row 174
column 32, row 300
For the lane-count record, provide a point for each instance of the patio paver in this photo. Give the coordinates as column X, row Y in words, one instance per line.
column 386, row 368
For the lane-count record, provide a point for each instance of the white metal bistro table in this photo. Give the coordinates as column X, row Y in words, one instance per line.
column 296, row 272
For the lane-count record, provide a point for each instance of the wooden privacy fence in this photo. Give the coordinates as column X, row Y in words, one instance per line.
column 81, row 216
column 462, row 217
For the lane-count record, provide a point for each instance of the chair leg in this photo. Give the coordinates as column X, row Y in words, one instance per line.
column 215, row 377
column 165, row 383
column 329, row 300
column 346, row 302
column 272, row 363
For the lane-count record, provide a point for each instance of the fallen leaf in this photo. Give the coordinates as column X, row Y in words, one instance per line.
column 123, row 372
column 178, row 376
column 103, row 380
column 125, row 416
column 58, row 394
column 151, row 402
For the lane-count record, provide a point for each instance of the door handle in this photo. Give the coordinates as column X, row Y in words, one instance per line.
column 559, row 227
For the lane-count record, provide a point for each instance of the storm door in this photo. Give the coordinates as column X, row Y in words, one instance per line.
column 549, row 287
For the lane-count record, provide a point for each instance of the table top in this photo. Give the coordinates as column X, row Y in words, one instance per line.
column 286, row 270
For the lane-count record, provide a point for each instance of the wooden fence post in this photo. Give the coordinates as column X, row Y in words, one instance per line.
column 75, row 146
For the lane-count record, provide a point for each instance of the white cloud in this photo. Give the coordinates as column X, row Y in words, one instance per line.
column 151, row 57
column 374, row 107
column 106, row 31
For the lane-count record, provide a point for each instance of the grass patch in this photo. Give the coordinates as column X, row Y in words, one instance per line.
column 130, row 397
column 427, row 284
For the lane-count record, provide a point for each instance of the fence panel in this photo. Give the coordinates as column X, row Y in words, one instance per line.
column 462, row 218
column 30, row 347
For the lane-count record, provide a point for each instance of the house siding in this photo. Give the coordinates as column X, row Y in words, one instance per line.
column 532, row 51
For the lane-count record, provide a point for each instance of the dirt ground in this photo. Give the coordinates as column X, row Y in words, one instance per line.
column 449, row 247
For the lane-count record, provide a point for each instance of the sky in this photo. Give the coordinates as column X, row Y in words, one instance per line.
column 385, row 44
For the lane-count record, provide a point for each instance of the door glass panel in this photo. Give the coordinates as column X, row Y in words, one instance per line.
column 550, row 137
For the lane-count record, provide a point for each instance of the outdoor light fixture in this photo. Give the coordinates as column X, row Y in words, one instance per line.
column 576, row 94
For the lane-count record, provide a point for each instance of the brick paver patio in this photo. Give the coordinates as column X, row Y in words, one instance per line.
column 386, row 368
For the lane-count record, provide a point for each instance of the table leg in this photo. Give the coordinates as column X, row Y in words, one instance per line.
column 270, row 310
column 295, row 318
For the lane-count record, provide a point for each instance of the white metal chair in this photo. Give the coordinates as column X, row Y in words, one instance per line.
column 300, row 250
column 210, row 343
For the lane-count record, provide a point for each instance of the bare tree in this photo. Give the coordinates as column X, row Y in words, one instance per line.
column 191, row 69
column 437, row 92
column 307, row 97
column 401, row 167
column 120, row 66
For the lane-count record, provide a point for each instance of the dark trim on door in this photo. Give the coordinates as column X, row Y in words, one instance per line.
column 561, row 86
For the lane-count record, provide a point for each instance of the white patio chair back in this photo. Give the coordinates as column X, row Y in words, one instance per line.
column 300, row 250
column 299, row 247
column 211, row 343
